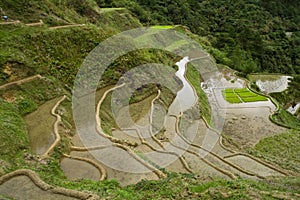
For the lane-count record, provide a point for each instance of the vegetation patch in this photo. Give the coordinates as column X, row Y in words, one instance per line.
column 26, row 106
column 162, row 27
column 234, row 100
column 239, row 95
column 194, row 79
column 282, row 149
column 230, row 95
column 13, row 137
column 282, row 117
column 254, row 99
column 103, row 10
column 240, row 90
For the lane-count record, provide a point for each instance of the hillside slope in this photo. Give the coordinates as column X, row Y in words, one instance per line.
column 249, row 36
column 53, row 57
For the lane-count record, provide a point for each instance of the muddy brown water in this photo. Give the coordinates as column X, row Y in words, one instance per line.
column 120, row 158
column 77, row 169
column 21, row 187
column 40, row 127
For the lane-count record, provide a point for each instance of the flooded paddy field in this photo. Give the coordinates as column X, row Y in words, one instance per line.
column 146, row 139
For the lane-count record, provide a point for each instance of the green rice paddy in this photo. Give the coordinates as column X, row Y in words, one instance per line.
column 240, row 95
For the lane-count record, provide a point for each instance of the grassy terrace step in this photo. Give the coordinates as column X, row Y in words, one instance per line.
column 239, row 95
column 162, row 27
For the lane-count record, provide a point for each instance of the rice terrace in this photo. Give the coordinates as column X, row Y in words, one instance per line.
column 240, row 95
column 149, row 99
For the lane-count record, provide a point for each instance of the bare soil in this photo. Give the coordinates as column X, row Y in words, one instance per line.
column 247, row 126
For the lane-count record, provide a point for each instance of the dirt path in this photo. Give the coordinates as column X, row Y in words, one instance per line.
column 40, row 23
column 66, row 26
column 10, row 22
column 19, row 82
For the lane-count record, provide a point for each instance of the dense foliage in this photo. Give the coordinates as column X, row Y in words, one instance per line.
column 252, row 36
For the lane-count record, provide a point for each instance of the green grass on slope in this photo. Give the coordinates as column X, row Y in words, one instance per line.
column 285, row 118
column 59, row 52
column 103, row 10
column 194, row 78
column 162, row 27
column 282, row 149
column 51, row 12
column 45, row 52
column 13, row 134
column 37, row 90
column 178, row 186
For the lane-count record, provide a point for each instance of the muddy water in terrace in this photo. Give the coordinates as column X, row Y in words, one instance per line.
column 40, row 127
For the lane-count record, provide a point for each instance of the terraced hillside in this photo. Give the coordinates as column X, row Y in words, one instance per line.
column 210, row 146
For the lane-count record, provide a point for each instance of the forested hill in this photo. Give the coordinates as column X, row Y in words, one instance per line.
column 248, row 35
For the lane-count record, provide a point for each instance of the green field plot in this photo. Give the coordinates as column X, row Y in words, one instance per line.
column 162, row 26
column 254, row 99
column 241, row 90
column 240, row 95
column 233, row 100
column 247, row 94
column 228, row 90
column 230, row 95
